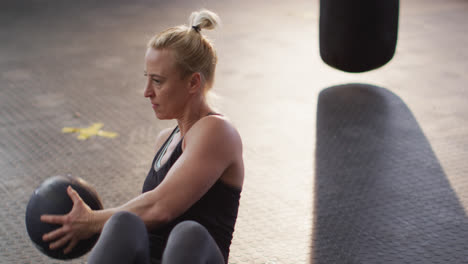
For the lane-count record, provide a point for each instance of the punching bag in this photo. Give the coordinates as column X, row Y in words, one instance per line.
column 358, row 35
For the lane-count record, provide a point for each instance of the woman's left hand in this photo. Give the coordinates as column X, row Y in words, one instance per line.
column 76, row 225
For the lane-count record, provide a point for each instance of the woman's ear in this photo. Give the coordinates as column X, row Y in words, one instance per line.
column 195, row 83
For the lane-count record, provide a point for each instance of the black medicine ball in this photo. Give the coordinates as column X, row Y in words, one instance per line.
column 51, row 198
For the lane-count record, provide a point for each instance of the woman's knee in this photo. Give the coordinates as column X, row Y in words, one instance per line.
column 190, row 242
column 190, row 235
column 123, row 221
column 190, row 229
column 124, row 239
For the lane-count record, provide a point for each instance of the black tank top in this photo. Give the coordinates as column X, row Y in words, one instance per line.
column 216, row 210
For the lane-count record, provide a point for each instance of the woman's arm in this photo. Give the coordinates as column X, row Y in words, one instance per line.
column 211, row 146
column 81, row 223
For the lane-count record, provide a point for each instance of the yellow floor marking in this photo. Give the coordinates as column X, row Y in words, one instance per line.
column 93, row 130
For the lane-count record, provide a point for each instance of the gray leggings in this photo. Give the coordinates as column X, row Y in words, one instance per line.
column 124, row 239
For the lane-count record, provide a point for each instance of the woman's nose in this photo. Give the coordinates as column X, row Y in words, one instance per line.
column 148, row 92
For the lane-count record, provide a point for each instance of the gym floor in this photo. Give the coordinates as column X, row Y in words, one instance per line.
column 81, row 62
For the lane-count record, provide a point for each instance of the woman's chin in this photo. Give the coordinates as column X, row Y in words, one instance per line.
column 161, row 116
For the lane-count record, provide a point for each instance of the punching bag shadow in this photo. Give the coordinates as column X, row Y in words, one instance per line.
column 381, row 195
column 359, row 35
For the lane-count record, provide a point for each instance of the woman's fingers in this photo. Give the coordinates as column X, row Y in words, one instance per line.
column 53, row 219
column 68, row 235
column 53, row 235
column 73, row 195
column 61, row 242
column 70, row 246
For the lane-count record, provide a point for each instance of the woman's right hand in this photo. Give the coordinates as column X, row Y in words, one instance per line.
column 76, row 225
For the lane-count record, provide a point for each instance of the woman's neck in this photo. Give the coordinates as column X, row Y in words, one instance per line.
column 191, row 115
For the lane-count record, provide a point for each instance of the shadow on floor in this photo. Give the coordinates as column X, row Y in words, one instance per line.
column 381, row 194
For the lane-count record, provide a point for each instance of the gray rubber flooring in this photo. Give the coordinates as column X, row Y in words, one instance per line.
column 340, row 168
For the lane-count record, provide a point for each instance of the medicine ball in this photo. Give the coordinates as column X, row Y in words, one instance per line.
column 51, row 198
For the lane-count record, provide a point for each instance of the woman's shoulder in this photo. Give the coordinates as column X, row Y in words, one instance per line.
column 215, row 129
column 216, row 125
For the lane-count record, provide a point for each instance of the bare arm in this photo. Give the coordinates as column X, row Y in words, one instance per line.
column 99, row 218
column 211, row 146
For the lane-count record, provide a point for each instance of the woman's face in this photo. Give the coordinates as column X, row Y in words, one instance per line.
column 165, row 88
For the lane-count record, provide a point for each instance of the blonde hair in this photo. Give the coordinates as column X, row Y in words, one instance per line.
column 193, row 51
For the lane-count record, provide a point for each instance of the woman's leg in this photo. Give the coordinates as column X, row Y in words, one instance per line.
column 123, row 239
column 190, row 242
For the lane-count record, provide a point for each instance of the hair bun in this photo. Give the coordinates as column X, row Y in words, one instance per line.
column 204, row 19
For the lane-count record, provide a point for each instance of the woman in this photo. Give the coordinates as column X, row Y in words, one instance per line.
column 190, row 198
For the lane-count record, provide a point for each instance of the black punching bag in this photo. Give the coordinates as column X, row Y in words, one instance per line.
column 358, row 35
